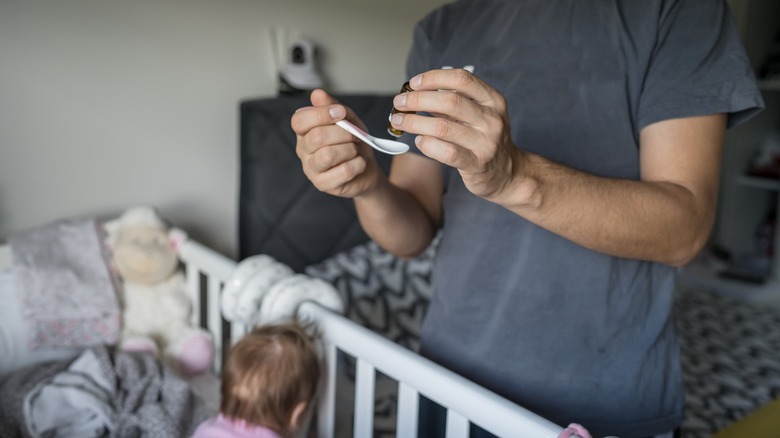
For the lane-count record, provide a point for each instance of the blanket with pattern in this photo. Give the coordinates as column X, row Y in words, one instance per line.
column 101, row 393
column 68, row 294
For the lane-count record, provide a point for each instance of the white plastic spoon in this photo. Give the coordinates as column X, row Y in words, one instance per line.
column 391, row 147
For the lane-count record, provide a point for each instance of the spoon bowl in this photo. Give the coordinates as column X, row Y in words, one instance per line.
column 390, row 147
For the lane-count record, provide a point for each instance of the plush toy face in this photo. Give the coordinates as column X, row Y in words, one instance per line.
column 143, row 254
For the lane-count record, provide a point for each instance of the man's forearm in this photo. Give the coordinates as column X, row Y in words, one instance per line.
column 658, row 221
column 395, row 220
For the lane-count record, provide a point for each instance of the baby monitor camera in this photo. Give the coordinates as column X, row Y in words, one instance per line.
column 300, row 73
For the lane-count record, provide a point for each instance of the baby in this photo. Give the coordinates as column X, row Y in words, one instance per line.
column 269, row 379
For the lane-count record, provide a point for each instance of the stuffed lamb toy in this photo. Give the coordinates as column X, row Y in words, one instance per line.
column 156, row 306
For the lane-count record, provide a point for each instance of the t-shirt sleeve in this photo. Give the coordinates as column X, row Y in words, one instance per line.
column 698, row 67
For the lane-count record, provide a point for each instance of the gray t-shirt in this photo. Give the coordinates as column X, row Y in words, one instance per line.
column 573, row 334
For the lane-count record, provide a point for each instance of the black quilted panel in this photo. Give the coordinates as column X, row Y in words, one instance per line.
column 280, row 213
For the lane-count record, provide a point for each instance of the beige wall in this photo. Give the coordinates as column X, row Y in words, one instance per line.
column 110, row 104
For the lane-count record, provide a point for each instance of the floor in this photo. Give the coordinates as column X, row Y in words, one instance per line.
column 731, row 359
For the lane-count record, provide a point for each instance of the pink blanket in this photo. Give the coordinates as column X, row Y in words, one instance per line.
column 69, row 297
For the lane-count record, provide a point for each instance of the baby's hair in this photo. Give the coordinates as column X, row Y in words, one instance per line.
column 269, row 372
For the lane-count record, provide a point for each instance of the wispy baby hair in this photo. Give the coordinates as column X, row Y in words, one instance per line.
column 269, row 372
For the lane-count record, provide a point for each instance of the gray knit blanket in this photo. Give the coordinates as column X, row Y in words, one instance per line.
column 69, row 296
column 101, row 393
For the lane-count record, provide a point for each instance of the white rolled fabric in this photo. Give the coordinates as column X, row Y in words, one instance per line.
column 283, row 299
column 251, row 281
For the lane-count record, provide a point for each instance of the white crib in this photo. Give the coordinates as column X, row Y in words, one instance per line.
column 465, row 401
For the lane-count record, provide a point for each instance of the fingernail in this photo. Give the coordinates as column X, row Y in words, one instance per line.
column 399, row 101
column 417, row 140
column 337, row 112
column 396, row 119
column 415, row 82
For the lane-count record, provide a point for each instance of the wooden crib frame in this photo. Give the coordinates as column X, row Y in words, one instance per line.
column 466, row 402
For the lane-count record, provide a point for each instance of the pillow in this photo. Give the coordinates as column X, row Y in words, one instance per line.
column 384, row 293
column 15, row 352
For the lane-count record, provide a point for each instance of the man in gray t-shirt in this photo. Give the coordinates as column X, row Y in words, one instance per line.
column 570, row 174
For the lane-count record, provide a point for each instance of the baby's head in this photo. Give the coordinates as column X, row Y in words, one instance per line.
column 270, row 376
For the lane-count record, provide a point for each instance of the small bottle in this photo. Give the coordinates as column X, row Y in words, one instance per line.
column 392, row 131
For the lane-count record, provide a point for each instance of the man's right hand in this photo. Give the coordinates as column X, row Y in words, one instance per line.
column 334, row 160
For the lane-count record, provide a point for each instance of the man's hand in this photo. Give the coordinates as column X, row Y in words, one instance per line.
column 666, row 216
column 334, row 161
column 470, row 130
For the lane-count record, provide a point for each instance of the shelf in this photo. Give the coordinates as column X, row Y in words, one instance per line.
column 758, row 182
column 769, row 85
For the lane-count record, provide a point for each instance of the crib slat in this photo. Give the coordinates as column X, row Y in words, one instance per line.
column 364, row 399
column 199, row 258
column 215, row 318
column 326, row 419
column 408, row 401
column 193, row 289
column 212, row 262
column 457, row 425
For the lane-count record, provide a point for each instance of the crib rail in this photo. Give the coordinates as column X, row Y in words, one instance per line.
column 207, row 271
column 466, row 402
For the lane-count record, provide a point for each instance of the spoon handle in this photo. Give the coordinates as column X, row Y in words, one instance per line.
column 386, row 146
column 357, row 132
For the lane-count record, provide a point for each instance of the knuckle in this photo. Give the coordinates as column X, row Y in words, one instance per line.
column 464, row 78
column 501, row 103
column 495, row 123
column 441, row 128
column 451, row 154
column 412, row 99
column 327, row 157
column 321, row 183
column 317, row 136
column 309, row 168
column 452, row 99
column 353, row 168
column 311, row 175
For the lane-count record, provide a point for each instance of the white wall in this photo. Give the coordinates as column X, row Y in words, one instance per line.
column 109, row 104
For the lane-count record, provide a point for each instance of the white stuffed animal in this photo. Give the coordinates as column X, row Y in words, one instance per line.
column 156, row 307
column 263, row 291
